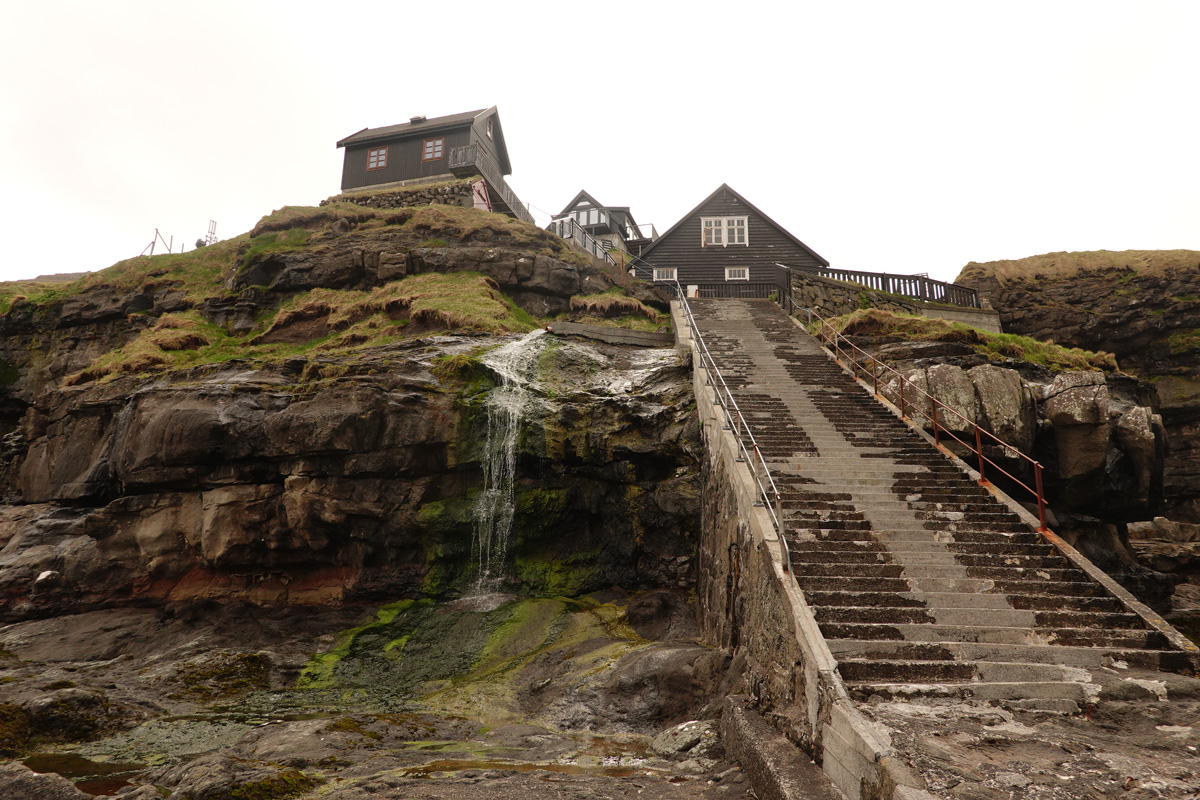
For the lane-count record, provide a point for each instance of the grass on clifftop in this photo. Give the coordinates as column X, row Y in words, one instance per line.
column 996, row 346
column 200, row 273
column 1059, row 266
column 197, row 273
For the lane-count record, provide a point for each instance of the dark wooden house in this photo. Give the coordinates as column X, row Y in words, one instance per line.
column 612, row 226
column 423, row 150
column 725, row 247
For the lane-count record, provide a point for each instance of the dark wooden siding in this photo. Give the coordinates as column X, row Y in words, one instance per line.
column 404, row 159
column 479, row 137
column 682, row 250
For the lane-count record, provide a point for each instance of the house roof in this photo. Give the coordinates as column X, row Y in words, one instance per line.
column 745, row 202
column 433, row 125
column 583, row 195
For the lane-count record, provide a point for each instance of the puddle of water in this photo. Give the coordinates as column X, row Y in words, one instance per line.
column 425, row 770
column 97, row 778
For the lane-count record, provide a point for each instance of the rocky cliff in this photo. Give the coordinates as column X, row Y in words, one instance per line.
column 1142, row 306
column 300, row 416
column 324, row 510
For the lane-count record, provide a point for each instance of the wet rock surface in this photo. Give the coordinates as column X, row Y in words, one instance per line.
column 1140, row 739
column 503, row 696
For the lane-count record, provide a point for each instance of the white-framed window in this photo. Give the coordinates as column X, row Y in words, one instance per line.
column 723, row 231
column 664, row 273
column 737, row 273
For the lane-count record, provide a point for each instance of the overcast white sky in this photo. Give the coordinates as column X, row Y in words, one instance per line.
column 890, row 136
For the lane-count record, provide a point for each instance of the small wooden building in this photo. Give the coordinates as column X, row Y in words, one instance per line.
column 612, row 226
column 423, row 150
column 725, row 247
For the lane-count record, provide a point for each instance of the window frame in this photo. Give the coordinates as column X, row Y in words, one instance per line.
column 380, row 156
column 672, row 276
column 744, row 277
column 718, row 231
column 490, row 126
column 433, row 149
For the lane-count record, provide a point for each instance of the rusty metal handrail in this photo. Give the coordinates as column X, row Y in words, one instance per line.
column 748, row 446
column 839, row 343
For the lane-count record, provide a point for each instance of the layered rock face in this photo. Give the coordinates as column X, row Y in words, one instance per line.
column 277, row 485
column 1142, row 306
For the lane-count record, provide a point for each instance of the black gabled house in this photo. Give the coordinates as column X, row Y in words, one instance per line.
column 724, row 246
column 420, row 150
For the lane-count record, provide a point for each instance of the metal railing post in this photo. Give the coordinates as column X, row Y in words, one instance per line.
column 1041, row 495
column 979, row 451
column 933, row 404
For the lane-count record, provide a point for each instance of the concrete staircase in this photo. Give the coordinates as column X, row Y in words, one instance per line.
column 924, row 585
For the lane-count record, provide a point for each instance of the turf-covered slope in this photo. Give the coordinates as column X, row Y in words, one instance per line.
column 1141, row 305
column 297, row 415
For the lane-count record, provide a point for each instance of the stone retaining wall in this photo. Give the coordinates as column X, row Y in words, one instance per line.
column 453, row 194
column 829, row 298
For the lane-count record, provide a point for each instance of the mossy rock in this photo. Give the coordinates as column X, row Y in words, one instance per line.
column 286, row 784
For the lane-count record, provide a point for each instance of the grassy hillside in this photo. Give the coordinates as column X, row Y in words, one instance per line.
column 996, row 346
column 321, row 319
column 1059, row 266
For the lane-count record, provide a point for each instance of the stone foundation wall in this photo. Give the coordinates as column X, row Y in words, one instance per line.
column 830, row 298
column 454, row 194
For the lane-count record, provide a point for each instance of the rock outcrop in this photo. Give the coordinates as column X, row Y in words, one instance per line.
column 1142, row 306
column 1095, row 433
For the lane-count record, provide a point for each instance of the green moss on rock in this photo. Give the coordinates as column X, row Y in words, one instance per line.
column 286, row 784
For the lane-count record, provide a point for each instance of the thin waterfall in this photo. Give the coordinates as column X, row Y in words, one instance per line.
column 505, row 406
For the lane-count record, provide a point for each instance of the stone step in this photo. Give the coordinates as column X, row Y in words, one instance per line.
column 917, row 632
column 955, row 585
column 1075, row 656
column 918, row 546
column 886, row 671
column 1063, row 696
column 937, row 572
column 898, row 536
column 972, row 617
column 962, row 600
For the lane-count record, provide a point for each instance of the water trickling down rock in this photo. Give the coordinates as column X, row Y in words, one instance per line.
column 495, row 505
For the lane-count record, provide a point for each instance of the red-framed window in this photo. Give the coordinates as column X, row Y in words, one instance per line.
column 377, row 158
column 433, row 149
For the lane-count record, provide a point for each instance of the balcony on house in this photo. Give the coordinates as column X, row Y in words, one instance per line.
column 472, row 159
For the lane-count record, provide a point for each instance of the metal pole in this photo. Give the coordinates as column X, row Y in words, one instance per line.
column 1041, row 497
column 979, row 451
column 933, row 404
